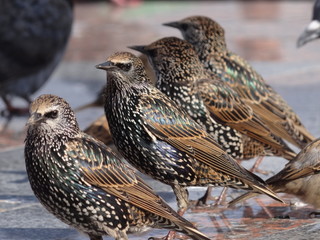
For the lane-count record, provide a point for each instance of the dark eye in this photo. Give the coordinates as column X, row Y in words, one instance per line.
column 53, row 114
column 124, row 66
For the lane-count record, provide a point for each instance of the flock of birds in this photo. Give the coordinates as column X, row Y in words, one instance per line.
column 207, row 109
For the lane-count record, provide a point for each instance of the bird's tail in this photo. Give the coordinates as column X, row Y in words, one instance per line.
column 193, row 233
column 242, row 198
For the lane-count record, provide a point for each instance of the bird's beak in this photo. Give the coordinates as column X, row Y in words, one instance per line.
column 305, row 37
column 34, row 118
column 140, row 48
column 172, row 24
column 310, row 33
column 105, row 65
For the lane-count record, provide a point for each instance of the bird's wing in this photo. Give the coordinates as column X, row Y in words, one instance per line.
column 102, row 169
column 165, row 122
column 305, row 164
column 240, row 76
column 225, row 106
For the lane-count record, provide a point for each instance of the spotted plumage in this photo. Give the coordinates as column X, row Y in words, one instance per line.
column 210, row 102
column 208, row 39
column 300, row 177
column 80, row 181
column 160, row 139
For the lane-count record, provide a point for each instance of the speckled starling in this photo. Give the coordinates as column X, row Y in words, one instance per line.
column 210, row 102
column 299, row 177
column 312, row 31
column 79, row 180
column 160, row 139
column 33, row 36
column 208, row 39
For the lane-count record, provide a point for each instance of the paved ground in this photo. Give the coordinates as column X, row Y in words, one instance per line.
column 264, row 33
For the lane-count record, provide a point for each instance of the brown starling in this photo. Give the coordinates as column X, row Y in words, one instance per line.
column 161, row 140
column 79, row 180
column 312, row 31
column 99, row 129
column 210, row 102
column 208, row 39
column 299, row 177
column 33, row 37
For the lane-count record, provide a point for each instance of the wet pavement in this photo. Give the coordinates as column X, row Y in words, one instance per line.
column 265, row 33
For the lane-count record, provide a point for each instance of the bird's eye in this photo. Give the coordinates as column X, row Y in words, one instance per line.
column 124, row 66
column 52, row 114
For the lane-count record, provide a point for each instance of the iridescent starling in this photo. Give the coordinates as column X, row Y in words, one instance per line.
column 80, row 181
column 312, row 31
column 161, row 140
column 33, row 37
column 208, row 39
column 299, row 177
column 210, row 102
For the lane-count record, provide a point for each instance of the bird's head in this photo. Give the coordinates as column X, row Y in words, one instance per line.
column 52, row 115
column 198, row 29
column 124, row 68
column 170, row 55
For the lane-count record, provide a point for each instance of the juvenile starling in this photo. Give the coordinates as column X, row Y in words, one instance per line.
column 208, row 39
column 210, row 102
column 80, row 181
column 312, row 31
column 33, row 37
column 299, row 177
column 161, row 140
column 181, row 76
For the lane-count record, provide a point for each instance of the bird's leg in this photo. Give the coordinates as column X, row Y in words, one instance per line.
column 206, row 197
column 256, row 165
column 222, row 197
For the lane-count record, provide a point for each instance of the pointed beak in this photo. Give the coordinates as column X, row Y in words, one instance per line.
column 140, row 48
column 105, row 65
column 34, row 118
column 311, row 32
column 173, row 24
column 305, row 37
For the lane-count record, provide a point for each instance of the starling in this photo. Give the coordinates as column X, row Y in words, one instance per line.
column 210, row 102
column 181, row 76
column 208, row 39
column 33, row 36
column 79, row 180
column 99, row 129
column 161, row 140
column 300, row 177
column 312, row 31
